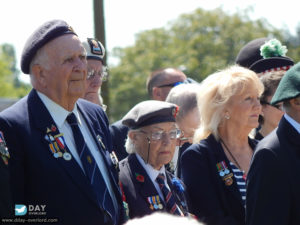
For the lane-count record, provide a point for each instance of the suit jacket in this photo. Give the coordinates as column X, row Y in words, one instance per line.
column 138, row 187
column 212, row 201
column 273, row 186
column 38, row 178
column 6, row 209
column 118, row 133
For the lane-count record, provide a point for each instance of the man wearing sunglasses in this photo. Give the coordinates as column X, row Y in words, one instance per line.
column 96, row 71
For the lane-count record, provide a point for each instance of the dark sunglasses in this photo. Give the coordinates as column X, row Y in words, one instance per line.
column 171, row 85
column 277, row 106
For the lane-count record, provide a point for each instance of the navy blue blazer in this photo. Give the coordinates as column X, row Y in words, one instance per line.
column 138, row 187
column 37, row 178
column 212, row 201
column 273, row 184
column 118, row 133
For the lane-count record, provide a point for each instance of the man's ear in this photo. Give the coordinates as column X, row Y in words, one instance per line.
column 156, row 93
column 132, row 135
column 39, row 75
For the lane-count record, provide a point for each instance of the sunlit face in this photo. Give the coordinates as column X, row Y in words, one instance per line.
column 94, row 83
column 271, row 114
column 64, row 77
column 244, row 109
column 161, row 152
column 188, row 125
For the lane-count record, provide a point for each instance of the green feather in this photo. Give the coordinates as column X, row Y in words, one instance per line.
column 273, row 48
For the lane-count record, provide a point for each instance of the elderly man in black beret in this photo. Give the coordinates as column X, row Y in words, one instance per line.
column 146, row 185
column 60, row 145
column 273, row 196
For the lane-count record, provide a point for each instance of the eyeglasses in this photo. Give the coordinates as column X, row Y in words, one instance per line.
column 277, row 106
column 183, row 138
column 171, row 85
column 103, row 74
column 158, row 135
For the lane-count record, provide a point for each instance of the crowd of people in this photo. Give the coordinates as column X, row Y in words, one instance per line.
column 221, row 152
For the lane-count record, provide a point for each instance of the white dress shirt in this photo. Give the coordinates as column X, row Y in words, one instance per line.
column 293, row 122
column 153, row 173
column 59, row 115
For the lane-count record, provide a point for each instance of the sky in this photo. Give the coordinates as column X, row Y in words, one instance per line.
column 125, row 18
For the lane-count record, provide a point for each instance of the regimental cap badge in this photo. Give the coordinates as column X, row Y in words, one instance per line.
column 96, row 47
column 71, row 29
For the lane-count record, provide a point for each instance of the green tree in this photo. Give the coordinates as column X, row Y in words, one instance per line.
column 10, row 85
column 202, row 42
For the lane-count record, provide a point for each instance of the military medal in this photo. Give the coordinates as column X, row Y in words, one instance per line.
column 67, row 156
column 101, row 142
column 154, row 202
column 228, row 179
column 222, row 168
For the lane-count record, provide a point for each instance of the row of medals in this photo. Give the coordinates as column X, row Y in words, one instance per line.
column 58, row 147
column 155, row 202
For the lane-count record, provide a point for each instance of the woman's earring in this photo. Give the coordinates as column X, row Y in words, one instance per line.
column 227, row 116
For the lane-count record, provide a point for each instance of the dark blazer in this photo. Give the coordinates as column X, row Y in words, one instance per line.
column 273, row 186
column 37, row 178
column 137, row 187
column 118, row 133
column 6, row 208
column 212, row 201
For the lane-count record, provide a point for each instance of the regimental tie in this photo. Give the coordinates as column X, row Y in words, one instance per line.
column 169, row 198
column 91, row 169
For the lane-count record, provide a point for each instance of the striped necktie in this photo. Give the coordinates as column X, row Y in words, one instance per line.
column 91, row 169
column 169, row 198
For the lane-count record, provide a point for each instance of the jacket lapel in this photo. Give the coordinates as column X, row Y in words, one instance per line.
column 220, row 157
column 143, row 182
column 42, row 120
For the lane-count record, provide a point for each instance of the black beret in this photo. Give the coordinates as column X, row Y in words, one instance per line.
column 150, row 112
column 94, row 49
column 250, row 53
column 289, row 85
column 41, row 36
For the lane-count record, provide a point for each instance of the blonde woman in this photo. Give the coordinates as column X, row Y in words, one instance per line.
column 215, row 167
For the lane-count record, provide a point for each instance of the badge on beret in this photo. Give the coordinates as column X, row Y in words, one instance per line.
column 175, row 111
column 95, row 47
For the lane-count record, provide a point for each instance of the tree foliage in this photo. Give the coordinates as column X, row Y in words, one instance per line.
column 10, row 85
column 201, row 42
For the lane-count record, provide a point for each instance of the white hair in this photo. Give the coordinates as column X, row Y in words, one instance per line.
column 163, row 218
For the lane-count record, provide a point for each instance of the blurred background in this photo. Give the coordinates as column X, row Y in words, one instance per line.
column 199, row 37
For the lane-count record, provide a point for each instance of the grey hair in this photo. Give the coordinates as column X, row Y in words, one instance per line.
column 129, row 145
column 185, row 96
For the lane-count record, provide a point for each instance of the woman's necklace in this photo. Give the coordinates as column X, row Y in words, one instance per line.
column 234, row 159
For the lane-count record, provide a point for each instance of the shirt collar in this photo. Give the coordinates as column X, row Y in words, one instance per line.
column 153, row 173
column 58, row 113
column 293, row 122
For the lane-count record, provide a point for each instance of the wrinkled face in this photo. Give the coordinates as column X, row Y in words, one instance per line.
column 63, row 78
column 188, row 125
column 244, row 109
column 271, row 114
column 161, row 151
column 94, row 83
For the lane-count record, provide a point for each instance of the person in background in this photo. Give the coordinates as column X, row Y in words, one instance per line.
column 96, row 71
column 273, row 196
column 188, row 119
column 60, row 144
column 159, row 83
column 147, row 186
column 270, row 69
column 215, row 167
